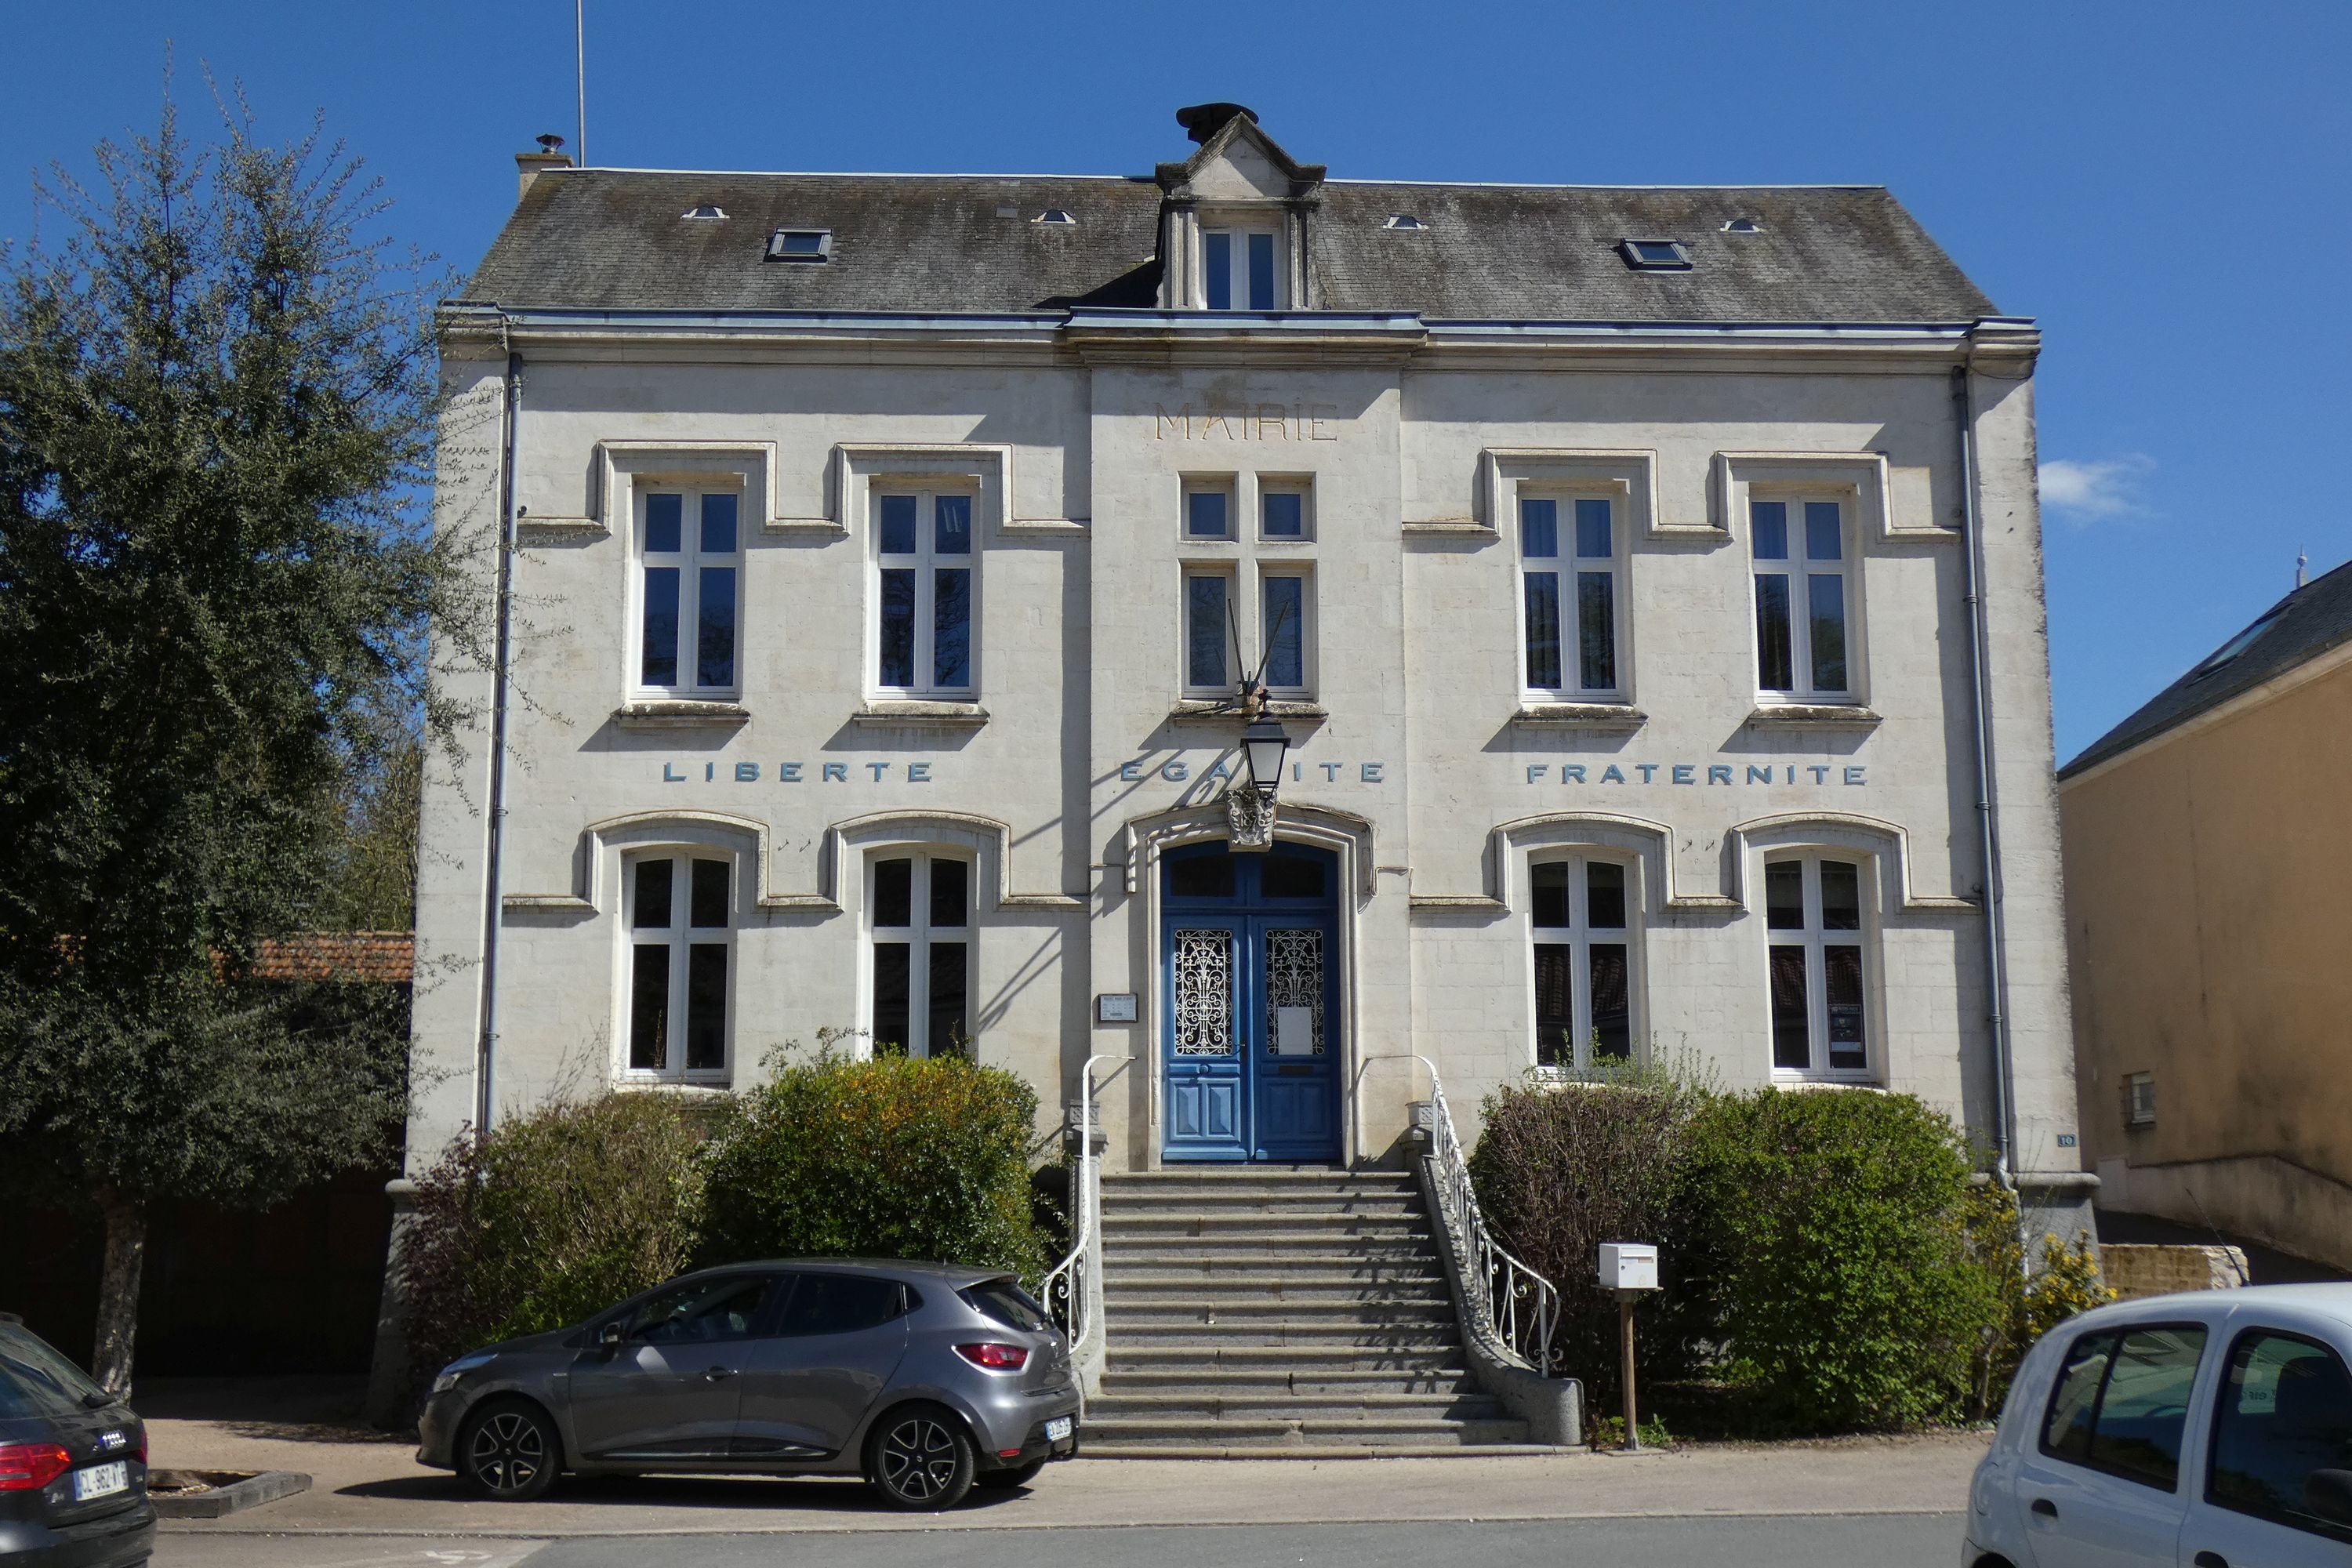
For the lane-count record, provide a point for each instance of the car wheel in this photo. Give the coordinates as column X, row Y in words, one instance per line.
column 1005, row 1480
column 509, row 1451
column 920, row 1460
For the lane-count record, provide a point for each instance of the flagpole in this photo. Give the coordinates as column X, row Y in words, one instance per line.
column 580, row 70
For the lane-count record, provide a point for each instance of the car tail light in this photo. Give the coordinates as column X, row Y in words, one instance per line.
column 29, row 1467
column 139, row 1449
column 994, row 1355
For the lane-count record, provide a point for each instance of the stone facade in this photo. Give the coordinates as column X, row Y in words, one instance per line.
column 1420, row 759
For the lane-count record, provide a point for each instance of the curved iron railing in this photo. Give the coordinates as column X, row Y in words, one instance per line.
column 1518, row 1304
column 1071, row 1286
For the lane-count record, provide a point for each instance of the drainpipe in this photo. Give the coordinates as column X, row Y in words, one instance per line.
column 1996, row 963
column 493, row 896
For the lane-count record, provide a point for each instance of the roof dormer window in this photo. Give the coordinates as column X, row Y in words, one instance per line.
column 1057, row 216
column 813, row 245
column 704, row 210
column 1240, row 267
column 1404, row 220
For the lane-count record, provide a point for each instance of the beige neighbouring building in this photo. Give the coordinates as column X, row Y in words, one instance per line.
column 895, row 554
column 2209, row 894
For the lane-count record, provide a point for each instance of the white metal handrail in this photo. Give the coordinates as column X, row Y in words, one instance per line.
column 1518, row 1304
column 1070, row 1288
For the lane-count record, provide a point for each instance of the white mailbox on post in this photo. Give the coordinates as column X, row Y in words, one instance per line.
column 1629, row 1266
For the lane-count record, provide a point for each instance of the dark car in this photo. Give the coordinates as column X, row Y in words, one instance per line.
column 73, row 1463
column 924, row 1378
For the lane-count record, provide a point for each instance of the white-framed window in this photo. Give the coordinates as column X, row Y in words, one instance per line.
column 1569, row 577
column 1287, row 629
column 678, row 911
column 1207, row 509
column 1209, row 632
column 1805, row 599
column 1241, row 267
column 1818, row 966
column 1286, row 509
column 1582, row 910
column 927, row 594
column 690, row 591
column 919, row 917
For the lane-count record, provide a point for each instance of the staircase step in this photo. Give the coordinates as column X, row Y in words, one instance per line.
column 1157, row 1288
column 1173, row 1354
column 1306, row 1206
column 1388, row 1338
column 1388, row 1431
column 1327, row 1230
column 1203, row 1405
column 1296, row 1370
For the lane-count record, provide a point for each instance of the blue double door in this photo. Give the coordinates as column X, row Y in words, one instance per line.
column 1250, row 1027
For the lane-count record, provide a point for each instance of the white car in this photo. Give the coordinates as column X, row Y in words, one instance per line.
column 2207, row 1430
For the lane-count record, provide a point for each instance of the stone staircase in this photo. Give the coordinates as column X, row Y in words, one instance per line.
column 1280, row 1309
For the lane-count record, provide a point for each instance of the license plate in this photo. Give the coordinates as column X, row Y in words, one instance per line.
column 101, row 1480
column 1056, row 1431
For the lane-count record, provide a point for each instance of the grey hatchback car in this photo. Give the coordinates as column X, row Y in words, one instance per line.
column 926, row 1379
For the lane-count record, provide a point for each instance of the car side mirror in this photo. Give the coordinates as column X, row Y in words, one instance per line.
column 2328, row 1494
column 609, row 1334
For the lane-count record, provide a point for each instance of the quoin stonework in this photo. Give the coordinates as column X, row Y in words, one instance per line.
column 1646, row 581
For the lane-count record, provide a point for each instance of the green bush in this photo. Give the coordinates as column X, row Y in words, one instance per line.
column 2064, row 1281
column 1561, row 1168
column 889, row 1158
column 554, row 1215
column 1848, row 1292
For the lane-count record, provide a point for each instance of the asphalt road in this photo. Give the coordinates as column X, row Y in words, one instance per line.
column 1883, row 1541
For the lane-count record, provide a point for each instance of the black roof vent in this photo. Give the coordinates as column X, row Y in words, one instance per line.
column 1202, row 121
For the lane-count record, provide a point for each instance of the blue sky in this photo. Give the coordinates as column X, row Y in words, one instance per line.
column 2166, row 187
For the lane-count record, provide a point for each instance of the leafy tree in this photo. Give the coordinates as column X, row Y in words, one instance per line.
column 216, row 402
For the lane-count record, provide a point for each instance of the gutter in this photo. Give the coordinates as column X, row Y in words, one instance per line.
column 493, row 903
column 1996, row 963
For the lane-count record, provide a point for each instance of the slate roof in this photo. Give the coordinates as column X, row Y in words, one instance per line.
column 616, row 239
column 2308, row 623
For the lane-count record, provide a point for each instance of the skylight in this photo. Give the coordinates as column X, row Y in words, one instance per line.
column 1404, row 220
column 705, row 209
column 1743, row 226
column 2235, row 645
column 800, row 245
column 1055, row 216
column 1654, row 255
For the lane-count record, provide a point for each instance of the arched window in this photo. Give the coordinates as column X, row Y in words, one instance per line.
column 919, row 917
column 678, row 911
column 1582, row 911
column 1815, row 937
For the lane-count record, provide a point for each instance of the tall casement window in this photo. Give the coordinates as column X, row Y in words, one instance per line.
column 678, row 909
column 689, row 550
column 919, row 907
column 1568, row 554
column 1208, row 635
column 1812, row 918
column 1287, row 623
column 1238, row 269
column 926, row 600
column 1804, row 599
column 1583, row 969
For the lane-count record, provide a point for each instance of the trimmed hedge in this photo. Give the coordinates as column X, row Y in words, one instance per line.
column 555, row 1214
column 1829, row 1253
column 1847, row 1290
column 888, row 1158
column 1561, row 1169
